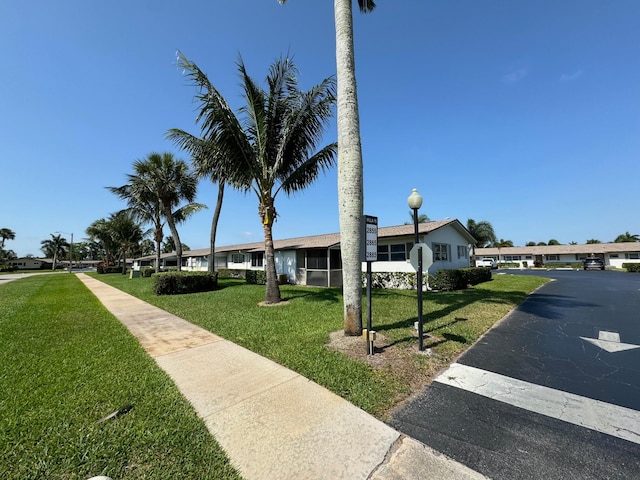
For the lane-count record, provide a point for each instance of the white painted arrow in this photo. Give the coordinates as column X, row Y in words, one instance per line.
column 610, row 341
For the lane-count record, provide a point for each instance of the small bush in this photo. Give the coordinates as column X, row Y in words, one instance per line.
column 175, row 283
column 256, row 277
column 476, row 275
column 525, row 264
column 448, row 280
column 228, row 273
column 631, row 267
column 147, row 272
column 392, row 280
column 110, row 269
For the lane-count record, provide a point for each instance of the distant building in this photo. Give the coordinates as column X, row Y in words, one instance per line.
column 613, row 254
column 30, row 263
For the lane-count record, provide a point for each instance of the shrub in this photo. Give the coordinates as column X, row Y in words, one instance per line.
column 447, row 280
column 631, row 267
column 393, row 280
column 147, row 272
column 476, row 275
column 228, row 273
column 174, row 283
column 525, row 264
column 108, row 269
column 256, row 277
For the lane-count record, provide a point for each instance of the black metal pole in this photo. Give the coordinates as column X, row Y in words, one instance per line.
column 369, row 343
column 418, row 281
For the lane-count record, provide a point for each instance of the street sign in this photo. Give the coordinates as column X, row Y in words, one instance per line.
column 371, row 238
column 427, row 256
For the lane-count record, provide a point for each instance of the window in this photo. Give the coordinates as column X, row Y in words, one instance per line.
column 397, row 252
column 614, row 255
column 335, row 260
column 440, row 251
column 221, row 262
column 552, row 258
column 632, row 256
column 317, row 259
column 528, row 257
column 237, row 258
column 463, row 251
column 256, row 259
column 512, row 258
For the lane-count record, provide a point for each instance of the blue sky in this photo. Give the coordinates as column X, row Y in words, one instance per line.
column 524, row 114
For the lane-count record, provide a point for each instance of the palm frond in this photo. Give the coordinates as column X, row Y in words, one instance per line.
column 220, row 125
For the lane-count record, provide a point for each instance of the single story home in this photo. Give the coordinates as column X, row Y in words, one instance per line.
column 30, row 263
column 315, row 260
column 613, row 254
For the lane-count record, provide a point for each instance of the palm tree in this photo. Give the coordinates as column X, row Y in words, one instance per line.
column 627, row 237
column 203, row 159
column 6, row 234
column 422, row 218
column 270, row 148
column 350, row 176
column 147, row 247
column 170, row 246
column 482, row 232
column 54, row 248
column 502, row 243
column 126, row 233
column 150, row 196
column 100, row 232
column 158, row 186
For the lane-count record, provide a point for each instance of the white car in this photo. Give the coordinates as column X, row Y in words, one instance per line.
column 486, row 262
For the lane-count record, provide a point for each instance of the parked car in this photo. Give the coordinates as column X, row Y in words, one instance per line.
column 486, row 262
column 593, row 263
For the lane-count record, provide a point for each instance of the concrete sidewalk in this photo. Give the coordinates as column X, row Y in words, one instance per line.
column 272, row 422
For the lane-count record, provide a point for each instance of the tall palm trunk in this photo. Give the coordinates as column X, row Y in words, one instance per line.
column 267, row 214
column 214, row 228
column 158, row 237
column 174, row 234
column 350, row 192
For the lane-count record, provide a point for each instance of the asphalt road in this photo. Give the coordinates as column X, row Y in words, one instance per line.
column 551, row 392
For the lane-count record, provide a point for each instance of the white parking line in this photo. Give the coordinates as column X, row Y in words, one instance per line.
column 603, row 417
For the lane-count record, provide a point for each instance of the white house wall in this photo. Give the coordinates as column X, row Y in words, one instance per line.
column 286, row 264
column 444, row 236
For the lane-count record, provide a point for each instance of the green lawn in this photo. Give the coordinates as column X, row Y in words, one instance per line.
column 65, row 363
column 295, row 335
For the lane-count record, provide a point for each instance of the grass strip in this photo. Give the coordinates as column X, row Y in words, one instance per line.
column 296, row 334
column 65, row 363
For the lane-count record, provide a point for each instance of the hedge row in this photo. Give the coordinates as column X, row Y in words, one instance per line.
column 111, row 269
column 174, row 283
column 632, row 267
column 443, row 280
column 256, row 277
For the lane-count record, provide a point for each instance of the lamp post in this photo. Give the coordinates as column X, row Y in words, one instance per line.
column 415, row 202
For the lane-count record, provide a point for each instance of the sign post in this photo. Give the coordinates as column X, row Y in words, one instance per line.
column 371, row 255
column 421, row 257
